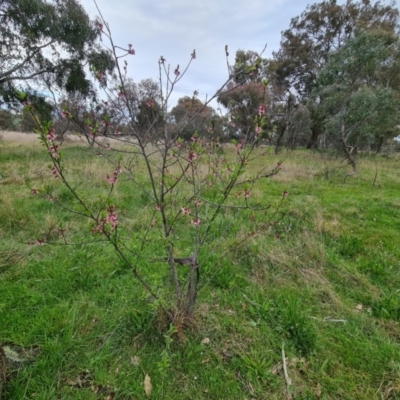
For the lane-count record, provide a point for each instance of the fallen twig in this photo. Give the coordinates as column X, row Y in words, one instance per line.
column 287, row 378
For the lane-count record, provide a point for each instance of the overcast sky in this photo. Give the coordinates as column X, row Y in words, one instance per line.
column 173, row 28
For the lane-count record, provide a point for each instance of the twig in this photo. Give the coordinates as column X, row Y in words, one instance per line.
column 329, row 319
column 287, row 378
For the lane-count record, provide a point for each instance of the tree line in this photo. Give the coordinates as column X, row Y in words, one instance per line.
column 334, row 82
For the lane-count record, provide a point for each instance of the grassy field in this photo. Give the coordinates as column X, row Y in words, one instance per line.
column 323, row 282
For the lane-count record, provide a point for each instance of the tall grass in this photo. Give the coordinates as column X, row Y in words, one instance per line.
column 322, row 278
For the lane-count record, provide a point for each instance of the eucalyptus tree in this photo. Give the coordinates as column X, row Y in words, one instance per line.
column 50, row 41
column 358, row 106
column 324, row 28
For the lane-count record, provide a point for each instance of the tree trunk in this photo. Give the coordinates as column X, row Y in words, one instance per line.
column 348, row 150
column 280, row 136
column 378, row 145
column 312, row 143
column 192, row 289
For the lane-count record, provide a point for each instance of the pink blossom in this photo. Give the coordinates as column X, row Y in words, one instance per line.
column 247, row 194
column 100, row 25
column 112, row 217
column 185, row 211
column 258, row 130
column 195, row 222
column 114, row 179
column 54, row 172
column 34, row 192
column 191, row 156
column 149, row 104
column 117, row 132
column 285, row 194
column 262, row 110
column 54, row 151
column 238, row 147
column 159, row 207
column 162, row 60
column 121, row 94
column 65, row 114
column 51, row 135
column 176, row 72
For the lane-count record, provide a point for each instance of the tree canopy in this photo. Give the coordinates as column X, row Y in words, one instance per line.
column 192, row 116
column 246, row 92
column 357, row 106
column 324, row 28
column 48, row 41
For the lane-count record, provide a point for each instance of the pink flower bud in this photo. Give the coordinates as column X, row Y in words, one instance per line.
column 54, row 172
column 262, row 110
column 51, row 135
column 195, row 222
column 185, row 211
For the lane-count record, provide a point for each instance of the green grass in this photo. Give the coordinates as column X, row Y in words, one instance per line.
column 323, row 280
